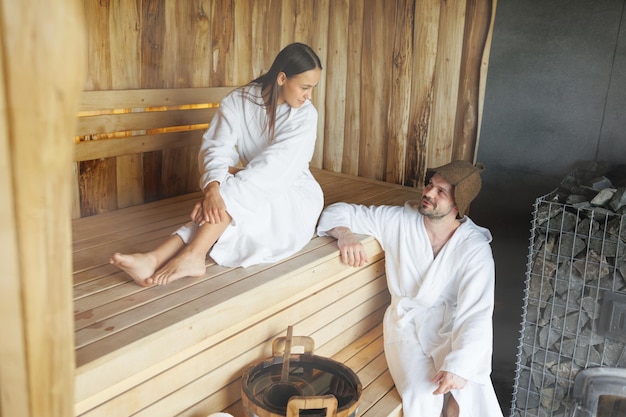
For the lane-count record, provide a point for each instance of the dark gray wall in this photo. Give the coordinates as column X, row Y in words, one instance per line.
column 556, row 92
column 555, row 96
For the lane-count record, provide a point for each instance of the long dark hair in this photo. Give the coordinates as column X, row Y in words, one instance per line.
column 294, row 59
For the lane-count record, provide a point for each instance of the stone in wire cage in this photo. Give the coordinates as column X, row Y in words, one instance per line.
column 574, row 314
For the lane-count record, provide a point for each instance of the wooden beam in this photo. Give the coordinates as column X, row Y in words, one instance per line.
column 86, row 151
column 42, row 77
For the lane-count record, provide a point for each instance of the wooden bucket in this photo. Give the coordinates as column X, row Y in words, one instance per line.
column 316, row 387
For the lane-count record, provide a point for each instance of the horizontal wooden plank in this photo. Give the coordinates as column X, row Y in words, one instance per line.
column 139, row 121
column 141, row 98
column 209, row 371
column 97, row 149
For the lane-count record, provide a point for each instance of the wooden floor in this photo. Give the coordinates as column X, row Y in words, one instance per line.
column 180, row 349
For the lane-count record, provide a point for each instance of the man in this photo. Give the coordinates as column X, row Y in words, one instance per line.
column 440, row 273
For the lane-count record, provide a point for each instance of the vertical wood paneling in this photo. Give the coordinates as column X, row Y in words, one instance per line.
column 287, row 22
column 152, row 42
column 201, row 60
column 446, row 86
column 312, row 29
column 152, row 76
column 125, row 40
column 98, row 45
column 186, row 61
column 477, row 22
column 124, row 36
column 484, row 69
column 350, row 163
column 426, row 34
column 375, row 86
column 266, row 36
column 398, row 117
column 402, row 86
column 97, row 186
column 336, row 75
column 129, row 175
column 243, row 55
column 222, row 31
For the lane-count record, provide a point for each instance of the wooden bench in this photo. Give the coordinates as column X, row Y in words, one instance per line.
column 180, row 350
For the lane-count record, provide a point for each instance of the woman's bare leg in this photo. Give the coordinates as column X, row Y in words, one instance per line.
column 142, row 266
column 452, row 407
column 191, row 260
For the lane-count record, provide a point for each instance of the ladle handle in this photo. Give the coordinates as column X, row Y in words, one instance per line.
column 284, row 377
column 307, row 343
column 297, row 404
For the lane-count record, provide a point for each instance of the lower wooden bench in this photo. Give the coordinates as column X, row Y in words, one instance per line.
column 180, row 350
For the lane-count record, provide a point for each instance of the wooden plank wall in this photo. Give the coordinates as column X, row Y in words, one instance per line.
column 401, row 89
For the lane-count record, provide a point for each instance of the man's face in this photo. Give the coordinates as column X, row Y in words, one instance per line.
column 438, row 199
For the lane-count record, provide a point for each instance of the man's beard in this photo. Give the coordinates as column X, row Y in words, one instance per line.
column 432, row 213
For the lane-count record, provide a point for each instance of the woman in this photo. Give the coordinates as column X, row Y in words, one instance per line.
column 261, row 202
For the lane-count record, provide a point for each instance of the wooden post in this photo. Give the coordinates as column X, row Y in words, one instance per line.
column 42, row 70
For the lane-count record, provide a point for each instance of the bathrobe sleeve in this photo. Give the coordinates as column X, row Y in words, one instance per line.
column 218, row 150
column 472, row 334
column 361, row 219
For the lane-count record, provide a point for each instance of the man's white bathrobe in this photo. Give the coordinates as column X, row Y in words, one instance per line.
column 275, row 201
column 440, row 317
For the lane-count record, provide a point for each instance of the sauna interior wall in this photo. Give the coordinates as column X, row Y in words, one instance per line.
column 402, row 86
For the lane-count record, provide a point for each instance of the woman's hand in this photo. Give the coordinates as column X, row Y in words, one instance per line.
column 234, row 170
column 212, row 208
column 351, row 249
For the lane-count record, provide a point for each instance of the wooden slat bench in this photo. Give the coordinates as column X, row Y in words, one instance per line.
column 180, row 350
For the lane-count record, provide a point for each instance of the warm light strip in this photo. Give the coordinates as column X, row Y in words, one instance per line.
column 129, row 133
column 86, row 113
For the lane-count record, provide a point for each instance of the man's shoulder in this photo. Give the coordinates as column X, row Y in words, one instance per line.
column 474, row 237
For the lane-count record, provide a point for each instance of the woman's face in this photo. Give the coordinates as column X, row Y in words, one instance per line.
column 297, row 89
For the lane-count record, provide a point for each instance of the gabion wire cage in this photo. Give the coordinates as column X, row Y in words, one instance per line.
column 575, row 290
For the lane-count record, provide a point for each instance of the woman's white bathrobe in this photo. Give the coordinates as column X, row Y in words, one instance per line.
column 275, row 201
column 440, row 317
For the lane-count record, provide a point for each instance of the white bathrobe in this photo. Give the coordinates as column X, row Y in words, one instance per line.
column 275, row 201
column 440, row 317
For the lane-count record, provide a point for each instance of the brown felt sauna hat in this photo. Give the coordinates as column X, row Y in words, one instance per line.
column 465, row 178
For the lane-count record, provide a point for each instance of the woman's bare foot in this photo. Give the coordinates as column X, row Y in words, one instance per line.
column 140, row 266
column 185, row 264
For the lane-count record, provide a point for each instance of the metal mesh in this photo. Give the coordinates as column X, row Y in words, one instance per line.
column 576, row 257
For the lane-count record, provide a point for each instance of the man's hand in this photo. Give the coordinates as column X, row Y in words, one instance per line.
column 351, row 249
column 447, row 381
